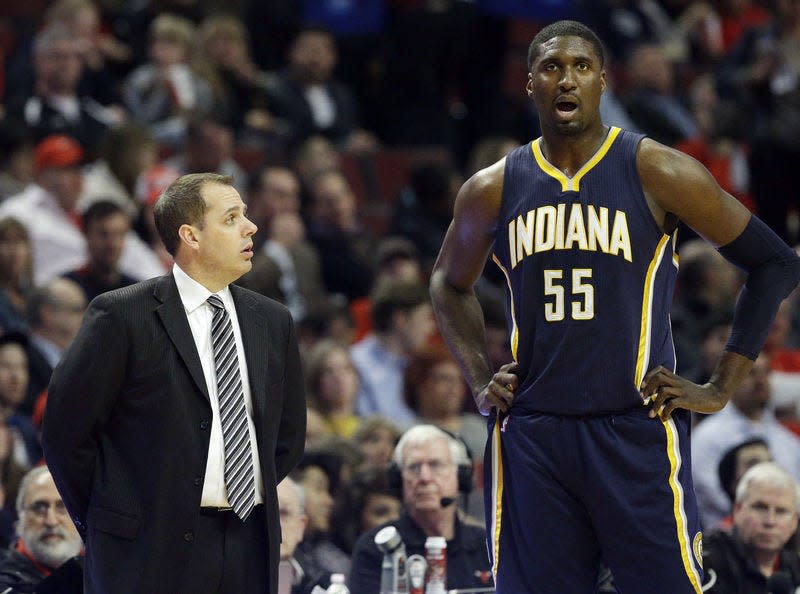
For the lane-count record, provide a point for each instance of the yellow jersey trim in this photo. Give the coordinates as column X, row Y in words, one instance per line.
column 573, row 184
column 643, row 355
column 497, row 495
column 514, row 327
column 673, row 452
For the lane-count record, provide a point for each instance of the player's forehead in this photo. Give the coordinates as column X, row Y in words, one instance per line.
column 567, row 46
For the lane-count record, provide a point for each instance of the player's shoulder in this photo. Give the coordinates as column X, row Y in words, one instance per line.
column 485, row 186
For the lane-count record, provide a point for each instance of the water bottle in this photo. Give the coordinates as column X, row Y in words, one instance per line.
column 436, row 557
column 337, row 585
column 394, row 579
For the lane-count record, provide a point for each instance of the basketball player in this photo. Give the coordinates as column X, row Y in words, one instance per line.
column 588, row 454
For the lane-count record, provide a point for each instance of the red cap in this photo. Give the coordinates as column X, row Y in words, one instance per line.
column 57, row 150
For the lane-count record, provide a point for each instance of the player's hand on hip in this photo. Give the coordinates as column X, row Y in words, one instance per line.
column 665, row 391
column 499, row 392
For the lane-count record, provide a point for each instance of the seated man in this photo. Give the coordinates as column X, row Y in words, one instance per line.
column 428, row 460
column 751, row 557
column 295, row 577
column 44, row 556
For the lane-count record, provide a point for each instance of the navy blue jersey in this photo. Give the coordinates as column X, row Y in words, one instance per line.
column 590, row 276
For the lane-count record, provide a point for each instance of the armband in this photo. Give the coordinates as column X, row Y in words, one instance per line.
column 773, row 271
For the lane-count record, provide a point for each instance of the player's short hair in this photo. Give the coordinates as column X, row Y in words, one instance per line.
column 565, row 29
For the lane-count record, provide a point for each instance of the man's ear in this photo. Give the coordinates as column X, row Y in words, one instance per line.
column 188, row 234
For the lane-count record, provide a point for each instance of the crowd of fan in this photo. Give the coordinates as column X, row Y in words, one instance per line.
column 104, row 104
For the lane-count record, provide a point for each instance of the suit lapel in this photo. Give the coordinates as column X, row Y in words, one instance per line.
column 173, row 316
column 254, row 332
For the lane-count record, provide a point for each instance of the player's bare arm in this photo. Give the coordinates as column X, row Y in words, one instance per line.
column 676, row 185
column 458, row 313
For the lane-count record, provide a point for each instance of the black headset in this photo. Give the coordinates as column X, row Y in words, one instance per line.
column 464, row 469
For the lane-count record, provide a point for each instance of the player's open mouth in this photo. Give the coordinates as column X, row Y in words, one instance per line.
column 566, row 106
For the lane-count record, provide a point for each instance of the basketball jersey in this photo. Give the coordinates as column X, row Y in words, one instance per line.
column 590, row 276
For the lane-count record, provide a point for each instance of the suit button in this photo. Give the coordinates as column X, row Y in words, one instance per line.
column 188, row 536
column 198, row 481
column 204, row 425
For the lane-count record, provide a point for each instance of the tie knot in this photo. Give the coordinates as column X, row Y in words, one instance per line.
column 215, row 302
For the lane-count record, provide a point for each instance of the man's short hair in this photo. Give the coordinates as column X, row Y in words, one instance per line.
column 565, row 29
column 393, row 295
column 769, row 474
column 422, row 434
column 31, row 477
column 182, row 204
column 101, row 210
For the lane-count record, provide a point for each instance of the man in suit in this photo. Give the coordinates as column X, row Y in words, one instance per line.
column 169, row 495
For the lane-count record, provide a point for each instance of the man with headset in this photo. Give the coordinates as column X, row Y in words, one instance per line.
column 431, row 467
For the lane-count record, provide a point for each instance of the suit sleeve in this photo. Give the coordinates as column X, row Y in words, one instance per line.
column 292, row 429
column 82, row 392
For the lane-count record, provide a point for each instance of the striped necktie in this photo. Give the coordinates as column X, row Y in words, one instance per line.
column 232, row 412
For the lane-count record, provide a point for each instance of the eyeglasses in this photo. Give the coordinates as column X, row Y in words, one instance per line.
column 41, row 508
column 437, row 467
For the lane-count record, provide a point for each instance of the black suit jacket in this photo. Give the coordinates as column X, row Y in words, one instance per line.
column 127, row 425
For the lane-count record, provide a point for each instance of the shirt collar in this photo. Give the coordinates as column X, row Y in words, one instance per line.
column 192, row 293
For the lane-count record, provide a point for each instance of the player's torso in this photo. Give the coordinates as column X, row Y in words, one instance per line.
column 591, row 278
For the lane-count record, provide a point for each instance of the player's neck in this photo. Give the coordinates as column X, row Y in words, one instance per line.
column 570, row 153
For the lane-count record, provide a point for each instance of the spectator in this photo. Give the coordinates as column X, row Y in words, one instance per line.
column 345, row 246
column 762, row 73
column 376, row 438
column 238, row 85
column 161, row 92
column 14, row 375
column 651, row 99
column 434, row 388
column 332, row 387
column 128, row 151
column 103, row 55
column 368, row 501
column 286, row 266
column 16, row 157
column 208, row 146
column 16, row 275
column 44, row 556
column 295, row 578
column 47, row 209
column 734, row 463
column 105, row 225
column 395, row 258
column 55, row 105
column 427, row 460
column 751, row 556
column 319, row 473
column 55, row 312
column 402, row 320
column 713, row 335
column 748, row 414
column 311, row 101
column 424, row 209
column 707, row 286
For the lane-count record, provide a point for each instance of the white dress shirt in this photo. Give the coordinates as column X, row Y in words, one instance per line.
column 199, row 313
column 58, row 245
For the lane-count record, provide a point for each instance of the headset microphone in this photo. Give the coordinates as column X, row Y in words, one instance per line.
column 447, row 501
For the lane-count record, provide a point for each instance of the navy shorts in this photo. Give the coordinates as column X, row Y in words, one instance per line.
column 565, row 494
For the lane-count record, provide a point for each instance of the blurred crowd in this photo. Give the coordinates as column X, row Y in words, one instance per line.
column 348, row 128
